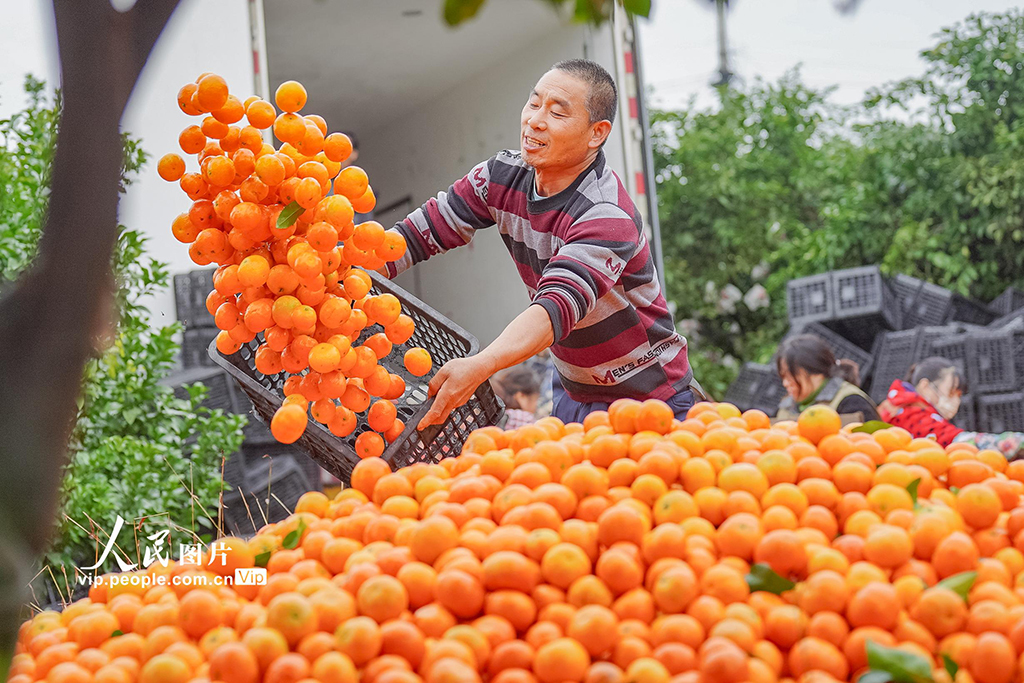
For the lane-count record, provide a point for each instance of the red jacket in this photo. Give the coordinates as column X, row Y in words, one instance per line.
column 904, row 407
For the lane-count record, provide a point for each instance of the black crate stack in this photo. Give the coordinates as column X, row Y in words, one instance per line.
column 885, row 325
column 190, row 292
column 266, row 477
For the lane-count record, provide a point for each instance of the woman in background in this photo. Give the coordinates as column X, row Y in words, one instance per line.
column 927, row 401
column 519, row 388
column 812, row 375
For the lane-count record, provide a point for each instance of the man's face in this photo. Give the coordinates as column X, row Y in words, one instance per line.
column 555, row 127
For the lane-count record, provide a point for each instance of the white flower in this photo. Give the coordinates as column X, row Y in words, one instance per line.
column 760, row 271
column 688, row 328
column 709, row 292
column 756, row 298
column 728, row 298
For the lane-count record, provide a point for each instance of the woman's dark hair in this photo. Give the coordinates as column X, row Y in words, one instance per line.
column 514, row 380
column 811, row 354
column 935, row 369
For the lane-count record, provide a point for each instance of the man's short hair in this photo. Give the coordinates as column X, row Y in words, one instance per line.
column 602, row 98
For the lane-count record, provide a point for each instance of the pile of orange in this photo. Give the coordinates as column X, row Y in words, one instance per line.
column 279, row 223
column 632, row 548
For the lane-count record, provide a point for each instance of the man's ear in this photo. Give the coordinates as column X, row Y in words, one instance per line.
column 599, row 132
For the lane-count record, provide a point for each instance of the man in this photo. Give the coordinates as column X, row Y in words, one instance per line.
column 577, row 240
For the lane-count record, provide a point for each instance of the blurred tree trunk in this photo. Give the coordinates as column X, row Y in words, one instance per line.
column 48, row 318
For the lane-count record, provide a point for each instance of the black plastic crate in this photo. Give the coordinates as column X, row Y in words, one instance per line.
column 920, row 302
column 258, row 454
column 970, row 311
column 44, row 594
column 234, row 470
column 864, row 293
column 1012, row 299
column 842, row 348
column 222, row 392
column 1011, row 318
column 273, row 492
column 991, row 361
column 894, row 354
column 967, row 416
column 190, row 292
column 1016, row 329
column 809, row 299
column 927, row 335
column 195, row 346
column 757, row 386
column 955, row 348
column 1001, row 412
column 442, row 338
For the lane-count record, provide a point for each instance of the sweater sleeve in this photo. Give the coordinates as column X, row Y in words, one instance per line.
column 446, row 221
column 598, row 246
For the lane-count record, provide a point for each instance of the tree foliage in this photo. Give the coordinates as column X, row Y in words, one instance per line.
column 137, row 450
column 923, row 177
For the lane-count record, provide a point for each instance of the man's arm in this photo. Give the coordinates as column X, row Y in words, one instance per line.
column 446, row 221
column 527, row 335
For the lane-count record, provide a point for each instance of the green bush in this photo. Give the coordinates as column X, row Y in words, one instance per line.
column 136, row 450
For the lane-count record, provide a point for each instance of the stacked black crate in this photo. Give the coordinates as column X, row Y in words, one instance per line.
column 863, row 305
column 842, row 348
column 894, row 354
column 270, row 496
column 922, row 303
column 190, row 292
column 757, row 386
column 1012, row 299
column 260, row 448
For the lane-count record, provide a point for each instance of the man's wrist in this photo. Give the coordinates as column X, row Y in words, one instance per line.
column 488, row 363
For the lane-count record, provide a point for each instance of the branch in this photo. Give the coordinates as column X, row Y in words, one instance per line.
column 49, row 316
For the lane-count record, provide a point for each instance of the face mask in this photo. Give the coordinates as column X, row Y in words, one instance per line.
column 948, row 406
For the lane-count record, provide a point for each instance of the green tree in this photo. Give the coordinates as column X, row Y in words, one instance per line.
column 137, row 450
column 775, row 182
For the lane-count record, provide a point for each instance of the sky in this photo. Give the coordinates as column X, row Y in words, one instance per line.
column 879, row 42
column 26, row 46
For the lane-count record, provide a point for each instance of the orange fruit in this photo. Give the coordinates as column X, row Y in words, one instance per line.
column 817, row 422
column 418, row 361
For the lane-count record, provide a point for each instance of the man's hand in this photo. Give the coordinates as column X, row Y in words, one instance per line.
column 453, row 385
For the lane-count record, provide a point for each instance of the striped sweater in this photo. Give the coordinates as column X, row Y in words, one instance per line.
column 583, row 256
